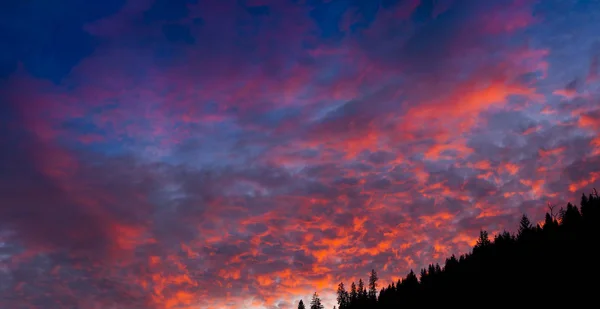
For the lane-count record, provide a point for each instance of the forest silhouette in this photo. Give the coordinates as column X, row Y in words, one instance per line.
column 540, row 266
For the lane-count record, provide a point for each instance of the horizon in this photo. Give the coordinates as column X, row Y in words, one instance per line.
column 179, row 154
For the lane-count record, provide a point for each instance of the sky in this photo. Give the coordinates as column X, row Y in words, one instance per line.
column 188, row 154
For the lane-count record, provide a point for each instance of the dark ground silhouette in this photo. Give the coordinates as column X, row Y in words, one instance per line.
column 548, row 266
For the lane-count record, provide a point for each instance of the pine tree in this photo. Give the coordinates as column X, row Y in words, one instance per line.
column 451, row 263
column 548, row 222
column 411, row 280
column 483, row 240
column 584, row 204
column 571, row 216
column 342, row 296
column 353, row 294
column 373, row 286
column 301, row 305
column 362, row 293
column 423, row 276
column 524, row 226
column 315, row 303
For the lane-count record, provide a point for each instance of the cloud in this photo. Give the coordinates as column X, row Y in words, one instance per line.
column 176, row 154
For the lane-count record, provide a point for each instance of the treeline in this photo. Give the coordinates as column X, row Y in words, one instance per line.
column 550, row 265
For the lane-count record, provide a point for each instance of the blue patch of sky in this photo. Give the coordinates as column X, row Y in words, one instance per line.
column 329, row 15
column 168, row 10
column 48, row 37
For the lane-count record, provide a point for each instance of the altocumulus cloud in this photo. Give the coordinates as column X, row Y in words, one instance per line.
column 176, row 154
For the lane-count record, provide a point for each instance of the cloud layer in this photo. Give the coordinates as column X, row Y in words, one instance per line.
column 244, row 154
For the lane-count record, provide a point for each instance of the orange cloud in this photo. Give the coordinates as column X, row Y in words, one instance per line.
column 269, row 163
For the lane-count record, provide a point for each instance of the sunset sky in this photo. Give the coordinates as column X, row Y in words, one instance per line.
column 179, row 154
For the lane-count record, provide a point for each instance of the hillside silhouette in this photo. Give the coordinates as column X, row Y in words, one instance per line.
column 540, row 266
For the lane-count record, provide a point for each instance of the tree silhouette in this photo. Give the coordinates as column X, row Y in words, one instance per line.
column 483, row 240
column 524, row 225
column 343, row 298
column 353, row 295
column 315, row 303
column 372, row 293
column 301, row 305
column 362, row 292
column 540, row 266
column 584, row 204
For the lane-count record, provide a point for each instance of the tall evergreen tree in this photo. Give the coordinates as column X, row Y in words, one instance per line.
column 315, row 303
column 343, row 298
column 483, row 240
column 584, row 203
column 301, row 305
column 353, row 293
column 372, row 294
column 524, row 226
column 571, row 216
column 411, row 280
column 362, row 292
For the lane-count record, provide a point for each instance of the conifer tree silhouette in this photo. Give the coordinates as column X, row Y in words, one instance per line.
column 362, row 293
column 353, row 295
column 524, row 225
column 343, row 298
column 301, row 305
column 483, row 240
column 539, row 266
column 372, row 293
column 315, row 303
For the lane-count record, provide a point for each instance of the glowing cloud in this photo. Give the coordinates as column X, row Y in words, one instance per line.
column 225, row 154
